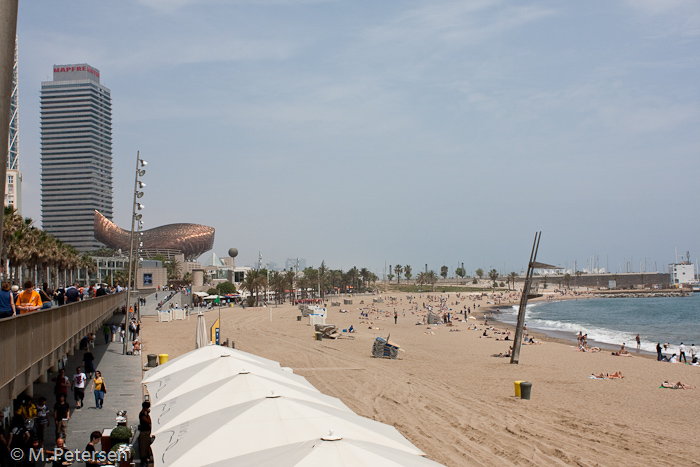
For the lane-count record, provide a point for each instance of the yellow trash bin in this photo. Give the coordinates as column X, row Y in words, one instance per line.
column 517, row 388
column 162, row 358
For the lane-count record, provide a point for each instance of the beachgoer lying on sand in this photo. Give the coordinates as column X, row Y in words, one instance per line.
column 618, row 354
column 678, row 385
column 616, row 375
column 599, row 376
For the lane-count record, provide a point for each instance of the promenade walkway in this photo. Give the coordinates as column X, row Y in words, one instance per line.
column 122, row 375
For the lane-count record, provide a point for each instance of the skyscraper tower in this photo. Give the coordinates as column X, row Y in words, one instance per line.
column 13, row 184
column 76, row 154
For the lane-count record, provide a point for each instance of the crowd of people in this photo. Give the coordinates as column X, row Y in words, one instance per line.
column 15, row 302
column 31, row 420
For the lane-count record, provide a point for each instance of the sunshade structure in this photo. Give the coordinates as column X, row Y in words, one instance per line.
column 201, row 355
column 234, row 390
column 211, row 371
column 200, row 339
column 264, row 424
column 328, row 451
column 216, row 406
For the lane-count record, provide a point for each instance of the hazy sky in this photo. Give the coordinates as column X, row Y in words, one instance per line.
column 373, row 132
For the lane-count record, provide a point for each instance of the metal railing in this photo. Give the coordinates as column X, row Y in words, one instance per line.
column 32, row 343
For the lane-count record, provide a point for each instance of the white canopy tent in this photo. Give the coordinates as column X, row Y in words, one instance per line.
column 264, row 424
column 328, row 452
column 211, row 371
column 203, row 354
column 228, row 392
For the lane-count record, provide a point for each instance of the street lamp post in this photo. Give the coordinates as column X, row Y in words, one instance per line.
column 136, row 206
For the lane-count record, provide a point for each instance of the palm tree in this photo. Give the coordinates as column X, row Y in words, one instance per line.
column 493, row 275
column 431, row 278
column 253, row 283
column 512, row 277
column 289, row 278
column 364, row 274
column 398, row 269
column 278, row 284
column 407, row 272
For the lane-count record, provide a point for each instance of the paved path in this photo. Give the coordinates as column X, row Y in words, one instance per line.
column 122, row 375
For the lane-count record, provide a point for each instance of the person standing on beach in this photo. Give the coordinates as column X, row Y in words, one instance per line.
column 639, row 342
column 396, row 317
column 681, row 353
column 693, row 352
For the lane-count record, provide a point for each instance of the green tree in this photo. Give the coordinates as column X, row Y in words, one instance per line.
column 461, row 272
column 431, row 278
column 226, row 288
column 493, row 275
column 390, row 276
column 407, row 272
column 512, row 277
column 567, row 280
column 480, row 273
column 443, row 272
column 398, row 269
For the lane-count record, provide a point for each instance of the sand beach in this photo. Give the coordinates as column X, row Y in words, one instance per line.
column 453, row 399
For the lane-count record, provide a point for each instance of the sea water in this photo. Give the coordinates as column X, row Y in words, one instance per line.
column 618, row 320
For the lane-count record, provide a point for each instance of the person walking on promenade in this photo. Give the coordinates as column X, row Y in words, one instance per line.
column 62, row 385
column 95, row 439
column 41, row 422
column 61, row 415
column 88, row 362
column 145, row 433
column 681, row 353
column 78, row 385
column 7, row 304
column 73, row 294
column 99, row 388
column 108, row 331
column 28, row 300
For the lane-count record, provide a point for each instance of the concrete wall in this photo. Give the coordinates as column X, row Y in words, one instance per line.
column 32, row 343
column 160, row 277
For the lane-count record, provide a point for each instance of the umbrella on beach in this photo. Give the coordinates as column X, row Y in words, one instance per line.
column 228, row 392
column 262, row 424
column 200, row 355
column 329, row 451
column 211, row 371
column 200, row 339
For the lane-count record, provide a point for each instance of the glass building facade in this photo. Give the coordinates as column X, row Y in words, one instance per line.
column 76, row 154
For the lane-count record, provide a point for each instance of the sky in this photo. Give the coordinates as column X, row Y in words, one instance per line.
column 369, row 134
